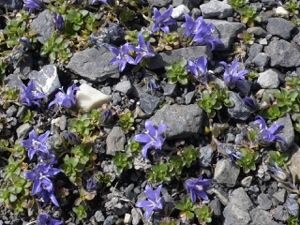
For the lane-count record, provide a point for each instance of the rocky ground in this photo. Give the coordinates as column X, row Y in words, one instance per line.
column 261, row 189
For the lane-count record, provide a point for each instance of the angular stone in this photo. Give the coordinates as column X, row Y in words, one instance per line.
column 269, row 79
column 115, row 141
column 46, row 79
column 216, row 9
column 93, row 64
column 282, row 53
column 261, row 59
column 280, row 27
column 148, row 103
column 44, row 25
column 168, row 57
column 182, row 120
column 11, row 4
column 179, row 12
column 13, row 80
column 288, row 133
column 23, row 131
column 240, row 199
column 261, row 217
column 293, row 206
column 264, row 202
column 281, row 213
column 257, row 31
column 239, row 110
column 280, row 195
column 254, row 50
column 159, row 3
column 89, row 98
column 235, row 215
column 206, row 155
column 281, row 12
column 226, row 172
column 124, row 87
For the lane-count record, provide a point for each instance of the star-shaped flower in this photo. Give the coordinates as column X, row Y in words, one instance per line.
column 198, row 69
column 122, row 56
column 66, row 100
column 162, row 21
column 143, row 49
column 33, row 4
column 45, row 219
column 152, row 137
column 231, row 75
column 29, row 95
column 154, row 202
column 197, row 187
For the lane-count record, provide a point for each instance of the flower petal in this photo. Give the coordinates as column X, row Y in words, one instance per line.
column 142, row 138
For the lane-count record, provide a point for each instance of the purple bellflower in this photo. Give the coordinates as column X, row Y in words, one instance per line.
column 162, row 21
column 122, row 56
column 105, row 117
column 33, row 4
column 59, row 21
column 278, row 172
column 143, row 49
column 154, row 202
column 268, row 135
column 249, row 102
column 232, row 75
column 152, row 137
column 92, row 184
column 197, row 187
column 103, row 1
column 29, row 95
column 198, row 69
column 233, row 154
column 36, row 144
column 45, row 219
column 66, row 100
column 41, row 183
column 200, row 31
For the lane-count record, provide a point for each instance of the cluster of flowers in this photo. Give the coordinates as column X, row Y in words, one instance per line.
column 41, row 174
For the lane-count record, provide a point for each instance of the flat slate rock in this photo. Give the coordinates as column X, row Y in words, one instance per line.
column 280, row 27
column 93, row 64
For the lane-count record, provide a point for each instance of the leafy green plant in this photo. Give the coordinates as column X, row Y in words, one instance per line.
column 285, row 100
column 122, row 161
column 169, row 221
column 80, row 211
column 293, row 220
column 292, row 83
column 133, row 147
column 177, row 72
column 236, row 4
column 83, row 152
column 249, row 15
column 247, row 38
column 71, row 167
column 190, row 155
column 248, row 160
column 292, row 7
column 132, row 36
column 297, row 124
column 81, row 125
column 273, row 112
column 204, row 214
column 186, row 207
column 160, row 173
column 176, row 164
column 126, row 121
column 168, row 41
column 28, row 116
column 279, row 158
column 8, row 95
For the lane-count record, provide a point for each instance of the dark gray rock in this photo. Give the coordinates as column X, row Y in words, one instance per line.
column 215, row 205
column 124, row 87
column 239, row 110
column 261, row 59
column 226, row 31
column 280, row 195
column 282, row 53
column 296, row 39
column 206, row 156
column 116, row 97
column 226, row 172
column 159, row 3
column 280, row 27
column 24, row 65
column 269, row 79
column 93, row 64
column 264, row 202
column 192, row 3
column 216, row 9
column 261, row 217
column 182, row 120
column 240, row 199
column 168, row 57
column 288, row 133
column 257, row 31
column 11, row 4
column 148, row 102
column 44, row 25
column 254, row 50
column 244, row 87
column 281, row 213
column 46, row 79
column 115, row 141
column 169, row 89
column 110, row 220
column 13, row 80
column 292, row 206
column 235, row 215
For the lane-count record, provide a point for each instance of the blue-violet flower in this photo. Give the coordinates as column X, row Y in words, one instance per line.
column 250, row 103
column 154, row 202
column 231, row 76
column 198, row 69
column 122, row 56
column 268, row 135
column 162, row 21
column 45, row 219
column 197, row 187
column 143, row 49
column 152, row 137
column 66, row 100
column 33, row 4
column 29, row 95
column 59, row 21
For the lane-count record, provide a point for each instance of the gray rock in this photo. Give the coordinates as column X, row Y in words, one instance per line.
column 294, row 163
column 23, row 131
column 159, row 3
column 239, row 110
column 226, row 172
column 240, row 199
column 136, row 216
column 269, row 79
column 264, row 202
column 257, row 31
column 179, row 12
column 169, row 89
column 124, row 87
column 246, row 182
column 116, row 98
column 297, row 39
column 110, row 220
column 215, row 205
column 93, row 64
column 44, row 25
column 281, row 213
column 115, row 141
column 288, row 133
column 11, row 111
column 261, row 59
column 293, row 206
column 280, row 27
column 244, row 87
column 226, row 31
column 206, row 156
column 24, row 65
column 254, row 50
column 188, row 97
column 176, row 3
column 280, row 195
column 168, row 57
column 183, row 121
column 13, row 80
column 235, row 215
column 46, row 79
column 11, row 4
column 282, row 53
column 261, row 217
column 148, row 102
column 192, row 3
column 216, row 9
